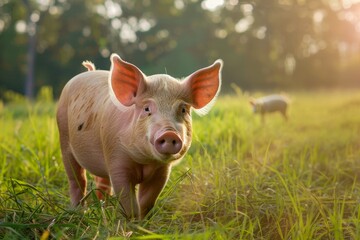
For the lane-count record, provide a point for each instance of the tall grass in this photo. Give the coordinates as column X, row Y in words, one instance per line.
column 240, row 180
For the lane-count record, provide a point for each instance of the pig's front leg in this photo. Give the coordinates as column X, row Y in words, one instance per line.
column 283, row 112
column 123, row 182
column 150, row 189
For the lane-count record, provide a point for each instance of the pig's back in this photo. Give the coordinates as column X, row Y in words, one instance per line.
column 89, row 82
column 274, row 103
column 85, row 96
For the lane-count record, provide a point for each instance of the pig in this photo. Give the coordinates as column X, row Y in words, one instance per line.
column 128, row 129
column 269, row 104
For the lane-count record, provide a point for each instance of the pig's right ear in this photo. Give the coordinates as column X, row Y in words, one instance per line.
column 126, row 81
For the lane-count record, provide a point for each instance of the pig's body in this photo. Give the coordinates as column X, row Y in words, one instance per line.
column 270, row 104
column 132, row 135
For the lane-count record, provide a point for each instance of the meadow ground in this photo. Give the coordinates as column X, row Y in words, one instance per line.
column 240, row 180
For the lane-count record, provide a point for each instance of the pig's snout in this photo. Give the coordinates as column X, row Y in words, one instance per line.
column 168, row 143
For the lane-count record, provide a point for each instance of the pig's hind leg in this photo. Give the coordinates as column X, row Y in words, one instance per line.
column 76, row 176
column 103, row 186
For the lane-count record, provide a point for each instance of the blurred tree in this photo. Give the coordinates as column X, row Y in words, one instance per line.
column 63, row 34
column 32, row 18
column 264, row 44
column 12, row 46
column 284, row 42
column 70, row 34
column 180, row 41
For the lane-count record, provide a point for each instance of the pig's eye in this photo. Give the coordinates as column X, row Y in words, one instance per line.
column 184, row 109
column 147, row 110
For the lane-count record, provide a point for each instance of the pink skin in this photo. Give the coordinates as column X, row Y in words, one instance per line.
column 168, row 142
column 128, row 129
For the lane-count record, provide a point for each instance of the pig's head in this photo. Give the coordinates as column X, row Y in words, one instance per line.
column 161, row 127
column 256, row 105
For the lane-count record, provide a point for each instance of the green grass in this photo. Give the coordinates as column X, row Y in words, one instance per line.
column 240, row 180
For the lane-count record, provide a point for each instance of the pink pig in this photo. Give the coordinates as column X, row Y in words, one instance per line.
column 128, row 129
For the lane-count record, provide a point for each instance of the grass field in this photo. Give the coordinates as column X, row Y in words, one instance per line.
column 240, row 180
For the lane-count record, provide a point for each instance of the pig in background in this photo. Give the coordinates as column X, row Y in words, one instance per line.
column 129, row 129
column 270, row 104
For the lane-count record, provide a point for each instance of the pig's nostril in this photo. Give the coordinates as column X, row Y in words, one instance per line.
column 168, row 143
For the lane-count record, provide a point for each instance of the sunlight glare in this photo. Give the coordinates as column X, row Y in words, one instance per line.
column 127, row 34
column 2, row 25
column 113, row 9
column 212, row 5
column 349, row 3
column 20, row 26
column 110, row 9
column 352, row 13
column 244, row 24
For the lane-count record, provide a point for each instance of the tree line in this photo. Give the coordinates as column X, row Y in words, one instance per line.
column 272, row 44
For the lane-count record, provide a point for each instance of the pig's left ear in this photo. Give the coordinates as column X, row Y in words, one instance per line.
column 204, row 86
column 126, row 82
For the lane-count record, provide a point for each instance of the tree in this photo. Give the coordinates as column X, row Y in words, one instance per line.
column 264, row 44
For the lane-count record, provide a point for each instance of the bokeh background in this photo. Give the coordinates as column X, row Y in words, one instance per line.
column 265, row 44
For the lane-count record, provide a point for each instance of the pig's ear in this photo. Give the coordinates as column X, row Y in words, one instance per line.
column 204, row 86
column 126, row 81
